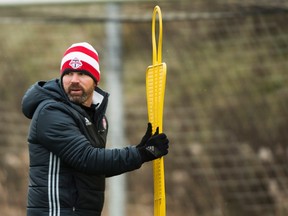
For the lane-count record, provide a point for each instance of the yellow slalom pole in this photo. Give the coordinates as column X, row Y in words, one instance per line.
column 155, row 90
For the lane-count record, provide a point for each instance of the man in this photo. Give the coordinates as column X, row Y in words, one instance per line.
column 67, row 138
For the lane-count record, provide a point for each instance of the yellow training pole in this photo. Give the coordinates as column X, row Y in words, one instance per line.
column 155, row 90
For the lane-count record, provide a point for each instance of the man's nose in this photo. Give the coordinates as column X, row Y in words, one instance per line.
column 75, row 78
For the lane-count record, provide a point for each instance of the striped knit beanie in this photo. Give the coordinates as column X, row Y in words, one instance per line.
column 81, row 57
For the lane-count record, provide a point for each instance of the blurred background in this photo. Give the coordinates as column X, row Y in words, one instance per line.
column 226, row 100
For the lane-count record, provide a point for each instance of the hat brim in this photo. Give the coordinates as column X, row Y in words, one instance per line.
column 68, row 70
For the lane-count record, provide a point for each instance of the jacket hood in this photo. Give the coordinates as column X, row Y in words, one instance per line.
column 39, row 92
column 52, row 90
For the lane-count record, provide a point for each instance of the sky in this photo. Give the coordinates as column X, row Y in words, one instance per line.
column 15, row 2
column 25, row 2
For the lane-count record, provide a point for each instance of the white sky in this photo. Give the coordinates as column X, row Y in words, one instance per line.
column 18, row 2
column 26, row 2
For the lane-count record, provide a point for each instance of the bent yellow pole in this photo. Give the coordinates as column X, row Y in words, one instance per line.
column 155, row 90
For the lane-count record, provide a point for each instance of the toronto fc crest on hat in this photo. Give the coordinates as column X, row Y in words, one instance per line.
column 75, row 63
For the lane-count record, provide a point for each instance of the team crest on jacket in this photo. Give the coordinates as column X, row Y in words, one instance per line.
column 75, row 63
column 104, row 123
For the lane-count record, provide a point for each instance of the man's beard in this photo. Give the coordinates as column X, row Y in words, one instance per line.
column 79, row 99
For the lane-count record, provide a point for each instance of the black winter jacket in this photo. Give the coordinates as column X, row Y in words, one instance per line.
column 68, row 159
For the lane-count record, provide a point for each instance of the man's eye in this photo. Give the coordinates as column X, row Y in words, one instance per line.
column 69, row 74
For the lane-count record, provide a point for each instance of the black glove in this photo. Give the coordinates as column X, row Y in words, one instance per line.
column 153, row 147
column 147, row 135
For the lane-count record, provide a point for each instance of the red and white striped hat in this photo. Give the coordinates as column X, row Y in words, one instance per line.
column 81, row 57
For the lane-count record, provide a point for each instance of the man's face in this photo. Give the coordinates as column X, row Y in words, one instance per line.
column 79, row 87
